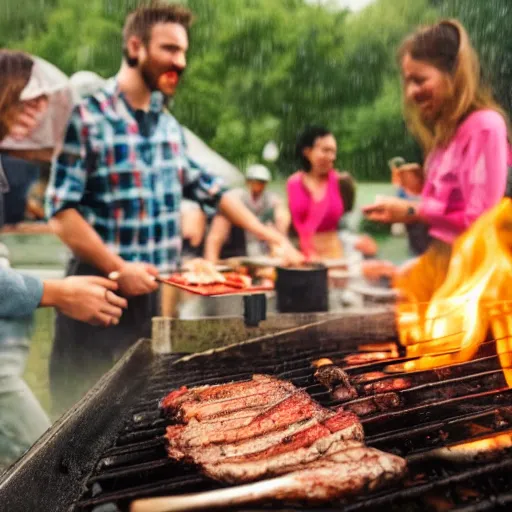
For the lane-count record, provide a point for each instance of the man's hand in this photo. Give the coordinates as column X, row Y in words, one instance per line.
column 366, row 245
column 289, row 255
column 88, row 299
column 391, row 209
column 136, row 279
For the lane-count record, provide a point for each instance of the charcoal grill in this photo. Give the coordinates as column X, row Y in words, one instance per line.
column 109, row 449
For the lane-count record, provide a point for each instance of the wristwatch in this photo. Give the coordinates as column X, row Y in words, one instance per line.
column 411, row 211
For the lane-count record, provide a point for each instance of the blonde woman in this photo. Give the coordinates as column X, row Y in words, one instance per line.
column 463, row 133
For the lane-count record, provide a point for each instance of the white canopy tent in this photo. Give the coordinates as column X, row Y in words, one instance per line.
column 63, row 91
column 212, row 161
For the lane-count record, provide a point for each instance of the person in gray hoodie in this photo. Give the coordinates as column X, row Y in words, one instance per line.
column 90, row 299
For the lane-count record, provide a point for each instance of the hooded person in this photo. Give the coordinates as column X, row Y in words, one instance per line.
column 27, row 149
column 90, row 299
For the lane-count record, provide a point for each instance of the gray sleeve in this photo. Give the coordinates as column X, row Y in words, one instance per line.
column 20, row 295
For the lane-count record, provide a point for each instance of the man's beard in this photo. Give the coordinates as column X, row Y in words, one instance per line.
column 151, row 73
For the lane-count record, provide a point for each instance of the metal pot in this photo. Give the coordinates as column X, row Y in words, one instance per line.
column 302, row 290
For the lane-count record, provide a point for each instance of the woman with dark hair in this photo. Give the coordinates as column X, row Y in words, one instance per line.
column 314, row 198
column 463, row 133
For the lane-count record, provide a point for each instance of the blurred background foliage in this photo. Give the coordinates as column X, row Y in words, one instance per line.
column 260, row 70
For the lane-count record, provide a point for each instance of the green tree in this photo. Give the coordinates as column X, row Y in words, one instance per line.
column 490, row 29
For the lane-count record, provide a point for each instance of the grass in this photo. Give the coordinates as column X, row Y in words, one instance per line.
column 36, row 372
column 45, row 252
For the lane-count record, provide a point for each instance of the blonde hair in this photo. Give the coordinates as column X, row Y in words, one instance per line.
column 446, row 46
column 15, row 71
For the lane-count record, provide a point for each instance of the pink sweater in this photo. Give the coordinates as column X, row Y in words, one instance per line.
column 310, row 216
column 467, row 177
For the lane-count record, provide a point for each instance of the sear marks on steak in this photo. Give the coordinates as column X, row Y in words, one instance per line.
column 233, row 472
column 195, row 433
column 327, row 450
column 259, row 383
column 345, row 424
column 217, row 452
column 295, row 408
column 252, row 398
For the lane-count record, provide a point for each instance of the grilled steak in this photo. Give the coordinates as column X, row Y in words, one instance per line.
column 329, row 480
column 298, row 435
column 386, row 385
column 368, row 357
column 332, row 376
column 193, row 433
column 373, row 404
column 217, row 452
column 367, row 377
column 201, row 410
column 344, row 387
column 292, row 409
column 241, row 432
column 259, row 383
column 241, row 471
column 344, row 394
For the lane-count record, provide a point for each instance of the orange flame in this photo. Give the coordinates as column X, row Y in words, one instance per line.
column 474, row 298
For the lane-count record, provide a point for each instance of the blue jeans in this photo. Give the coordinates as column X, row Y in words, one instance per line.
column 22, row 419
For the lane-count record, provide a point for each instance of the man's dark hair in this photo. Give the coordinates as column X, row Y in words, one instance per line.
column 141, row 21
column 306, row 139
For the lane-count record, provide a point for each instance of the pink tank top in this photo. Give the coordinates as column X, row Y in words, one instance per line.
column 310, row 216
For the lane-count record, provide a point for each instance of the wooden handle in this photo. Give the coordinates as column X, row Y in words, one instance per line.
column 214, row 499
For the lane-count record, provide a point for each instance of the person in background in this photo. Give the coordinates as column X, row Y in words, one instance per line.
column 314, row 198
column 316, row 195
column 115, row 192
column 408, row 179
column 264, row 204
column 353, row 242
column 89, row 299
column 463, row 133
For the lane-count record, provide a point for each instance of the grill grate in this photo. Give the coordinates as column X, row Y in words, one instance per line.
column 431, row 414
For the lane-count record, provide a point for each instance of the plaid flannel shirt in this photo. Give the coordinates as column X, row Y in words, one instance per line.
column 129, row 185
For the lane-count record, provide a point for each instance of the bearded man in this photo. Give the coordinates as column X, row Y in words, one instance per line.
column 115, row 192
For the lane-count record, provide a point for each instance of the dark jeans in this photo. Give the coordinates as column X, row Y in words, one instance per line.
column 20, row 174
column 82, row 353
